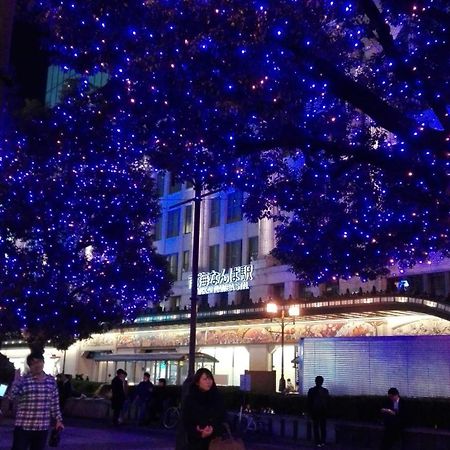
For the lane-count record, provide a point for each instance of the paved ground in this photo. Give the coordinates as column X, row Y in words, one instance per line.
column 95, row 435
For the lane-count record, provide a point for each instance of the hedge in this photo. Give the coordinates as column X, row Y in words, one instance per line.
column 423, row 412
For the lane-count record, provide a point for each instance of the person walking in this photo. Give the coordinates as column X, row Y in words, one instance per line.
column 203, row 411
column 118, row 395
column 38, row 408
column 317, row 404
column 393, row 413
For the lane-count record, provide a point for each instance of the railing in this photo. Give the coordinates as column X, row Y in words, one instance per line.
column 309, row 307
column 212, row 314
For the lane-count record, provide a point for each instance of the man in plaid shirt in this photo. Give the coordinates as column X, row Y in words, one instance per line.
column 37, row 405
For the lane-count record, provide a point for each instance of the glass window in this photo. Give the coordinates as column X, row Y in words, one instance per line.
column 174, row 185
column 437, row 283
column 158, row 229
column 174, row 302
column 223, row 299
column 173, row 223
column 214, row 254
column 243, row 298
column 233, row 254
column 252, row 249
column 187, row 228
column 160, row 183
column 186, row 260
column 214, row 218
column 173, row 264
column 234, row 206
column 278, row 291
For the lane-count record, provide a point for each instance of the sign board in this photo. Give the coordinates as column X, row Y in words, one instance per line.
column 228, row 280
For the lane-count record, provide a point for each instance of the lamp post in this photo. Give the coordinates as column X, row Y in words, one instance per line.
column 197, row 199
column 293, row 311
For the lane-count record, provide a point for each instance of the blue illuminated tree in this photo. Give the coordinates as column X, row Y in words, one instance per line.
column 338, row 110
column 77, row 213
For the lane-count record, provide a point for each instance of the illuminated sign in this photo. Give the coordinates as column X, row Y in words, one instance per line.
column 233, row 279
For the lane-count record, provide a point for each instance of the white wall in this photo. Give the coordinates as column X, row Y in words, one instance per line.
column 233, row 361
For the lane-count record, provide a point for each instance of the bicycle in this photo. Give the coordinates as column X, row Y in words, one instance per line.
column 171, row 417
column 251, row 422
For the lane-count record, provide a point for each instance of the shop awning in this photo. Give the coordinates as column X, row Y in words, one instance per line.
column 158, row 356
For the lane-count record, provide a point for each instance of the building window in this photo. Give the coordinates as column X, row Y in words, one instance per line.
column 174, row 302
column 186, row 260
column 173, row 223
column 172, row 260
column 214, row 254
column 174, row 185
column 214, row 217
column 187, row 228
column 277, row 291
column 158, row 229
column 437, row 284
column 223, row 299
column 243, row 298
column 160, row 183
column 234, row 206
column 233, row 254
column 253, row 243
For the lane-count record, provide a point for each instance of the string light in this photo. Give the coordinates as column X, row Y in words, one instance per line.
column 358, row 94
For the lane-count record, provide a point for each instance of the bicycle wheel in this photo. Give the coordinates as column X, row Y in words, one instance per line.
column 244, row 425
column 171, row 417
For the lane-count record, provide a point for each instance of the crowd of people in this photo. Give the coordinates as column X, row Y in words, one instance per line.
column 40, row 399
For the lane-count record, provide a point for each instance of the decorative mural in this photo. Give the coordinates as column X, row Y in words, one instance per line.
column 269, row 333
column 423, row 327
column 163, row 338
column 107, row 340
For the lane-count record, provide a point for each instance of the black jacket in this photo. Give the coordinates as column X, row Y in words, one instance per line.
column 118, row 393
column 397, row 420
column 318, row 401
column 201, row 409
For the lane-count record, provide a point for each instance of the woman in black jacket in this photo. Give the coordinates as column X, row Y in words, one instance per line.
column 203, row 411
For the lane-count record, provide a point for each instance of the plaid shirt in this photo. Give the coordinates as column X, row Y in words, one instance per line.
column 37, row 402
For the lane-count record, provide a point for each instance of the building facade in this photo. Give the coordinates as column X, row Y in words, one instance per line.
column 237, row 279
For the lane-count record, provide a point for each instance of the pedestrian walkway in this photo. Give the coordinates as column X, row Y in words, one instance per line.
column 98, row 435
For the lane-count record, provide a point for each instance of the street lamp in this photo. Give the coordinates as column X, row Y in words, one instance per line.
column 198, row 187
column 293, row 311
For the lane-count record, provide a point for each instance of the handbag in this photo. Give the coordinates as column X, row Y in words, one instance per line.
column 54, row 438
column 226, row 442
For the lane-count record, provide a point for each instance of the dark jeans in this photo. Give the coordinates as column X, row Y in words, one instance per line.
column 392, row 437
column 319, row 429
column 29, row 440
column 116, row 415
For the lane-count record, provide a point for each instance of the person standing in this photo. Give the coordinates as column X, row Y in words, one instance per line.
column 38, row 408
column 203, row 411
column 160, row 399
column 143, row 395
column 289, row 387
column 118, row 395
column 317, row 404
column 393, row 413
column 64, row 389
